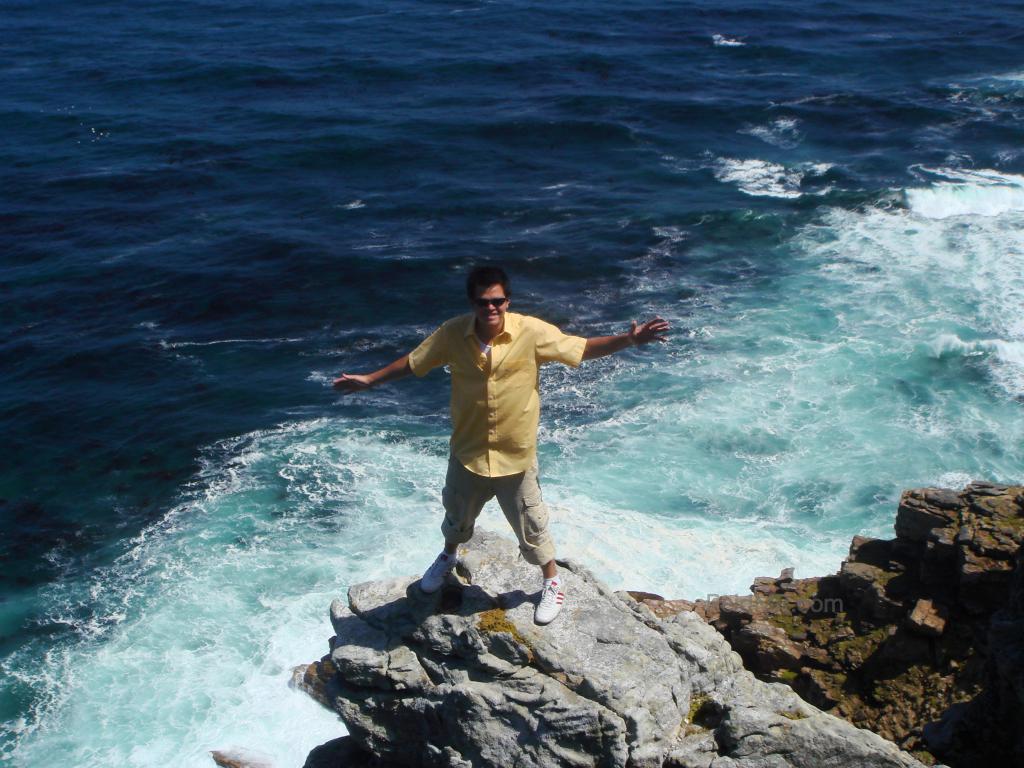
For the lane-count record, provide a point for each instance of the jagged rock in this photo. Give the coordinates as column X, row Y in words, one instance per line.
column 990, row 729
column 915, row 516
column 937, row 565
column 876, row 552
column 943, row 498
column 661, row 607
column 735, row 611
column 464, row 678
column 314, row 679
column 928, row 618
column 818, row 687
column 707, row 610
column 906, row 629
column 765, row 647
column 817, row 657
column 642, row 596
column 857, row 578
column 342, row 752
column 984, row 488
column 237, row 759
column 983, row 581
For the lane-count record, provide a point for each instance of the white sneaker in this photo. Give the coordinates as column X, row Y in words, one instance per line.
column 552, row 596
column 438, row 572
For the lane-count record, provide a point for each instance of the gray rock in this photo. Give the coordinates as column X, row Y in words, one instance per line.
column 463, row 677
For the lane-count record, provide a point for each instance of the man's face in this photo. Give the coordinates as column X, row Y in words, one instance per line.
column 489, row 316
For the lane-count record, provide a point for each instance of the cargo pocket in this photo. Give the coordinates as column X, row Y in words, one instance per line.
column 535, row 521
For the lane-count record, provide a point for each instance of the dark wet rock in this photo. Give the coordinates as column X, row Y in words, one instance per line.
column 342, row 752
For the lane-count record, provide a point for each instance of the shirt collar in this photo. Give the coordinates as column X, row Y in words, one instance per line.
column 510, row 330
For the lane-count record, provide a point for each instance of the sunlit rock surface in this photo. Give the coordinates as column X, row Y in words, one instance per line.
column 465, row 678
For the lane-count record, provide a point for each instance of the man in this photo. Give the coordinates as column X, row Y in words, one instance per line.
column 494, row 356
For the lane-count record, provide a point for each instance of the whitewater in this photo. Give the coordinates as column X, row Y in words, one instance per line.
column 765, row 435
column 216, row 208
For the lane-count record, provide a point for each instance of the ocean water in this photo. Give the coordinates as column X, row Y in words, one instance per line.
column 212, row 208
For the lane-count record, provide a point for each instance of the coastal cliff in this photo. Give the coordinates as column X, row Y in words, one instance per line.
column 918, row 639
column 464, row 678
column 907, row 633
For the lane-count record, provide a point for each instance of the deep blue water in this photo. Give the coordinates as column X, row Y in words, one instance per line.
column 212, row 208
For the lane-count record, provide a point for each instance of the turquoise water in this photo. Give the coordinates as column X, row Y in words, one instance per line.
column 219, row 207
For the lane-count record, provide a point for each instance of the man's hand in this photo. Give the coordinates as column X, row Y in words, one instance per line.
column 650, row 331
column 352, row 382
column 357, row 382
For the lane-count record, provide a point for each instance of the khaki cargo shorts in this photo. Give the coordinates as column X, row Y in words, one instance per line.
column 465, row 494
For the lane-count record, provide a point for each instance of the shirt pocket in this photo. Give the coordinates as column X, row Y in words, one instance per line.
column 517, row 372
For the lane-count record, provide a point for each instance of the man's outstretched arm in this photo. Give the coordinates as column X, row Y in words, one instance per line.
column 652, row 330
column 356, row 382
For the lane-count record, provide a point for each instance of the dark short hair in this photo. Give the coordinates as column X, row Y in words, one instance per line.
column 484, row 277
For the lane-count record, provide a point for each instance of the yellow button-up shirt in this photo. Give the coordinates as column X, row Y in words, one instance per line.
column 495, row 401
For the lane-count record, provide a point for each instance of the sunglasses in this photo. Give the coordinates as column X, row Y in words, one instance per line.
column 490, row 302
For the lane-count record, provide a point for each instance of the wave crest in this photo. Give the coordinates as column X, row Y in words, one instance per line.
column 947, row 344
column 967, row 193
column 725, row 42
column 762, row 178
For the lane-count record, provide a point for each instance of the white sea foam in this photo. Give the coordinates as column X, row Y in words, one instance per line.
column 933, row 278
column 780, row 133
column 1006, row 351
column 668, row 239
column 671, row 234
column 777, row 423
column 187, row 642
column 759, row 177
column 726, row 42
column 1005, row 359
column 321, row 377
column 762, row 178
column 967, row 193
column 1011, row 77
column 955, row 480
column 215, row 342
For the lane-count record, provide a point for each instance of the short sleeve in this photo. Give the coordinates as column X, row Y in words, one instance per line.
column 432, row 352
column 553, row 346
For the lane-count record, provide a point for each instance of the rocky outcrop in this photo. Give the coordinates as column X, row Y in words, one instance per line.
column 907, row 630
column 990, row 729
column 464, row 678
